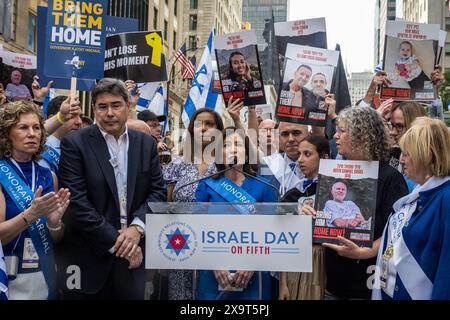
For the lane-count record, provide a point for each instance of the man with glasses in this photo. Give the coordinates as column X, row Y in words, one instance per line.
column 112, row 173
column 154, row 122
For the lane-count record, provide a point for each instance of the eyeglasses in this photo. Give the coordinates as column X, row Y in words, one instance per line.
column 155, row 125
column 399, row 127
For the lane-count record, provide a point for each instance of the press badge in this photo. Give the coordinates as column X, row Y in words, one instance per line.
column 30, row 259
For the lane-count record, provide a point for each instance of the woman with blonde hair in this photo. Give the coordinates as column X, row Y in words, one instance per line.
column 413, row 255
column 30, row 209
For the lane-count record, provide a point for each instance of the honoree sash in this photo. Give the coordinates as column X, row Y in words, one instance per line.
column 414, row 279
column 22, row 196
column 51, row 155
column 232, row 193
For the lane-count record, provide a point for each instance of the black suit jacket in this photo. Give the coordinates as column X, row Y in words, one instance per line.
column 92, row 220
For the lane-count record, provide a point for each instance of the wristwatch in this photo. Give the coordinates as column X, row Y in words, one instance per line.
column 139, row 229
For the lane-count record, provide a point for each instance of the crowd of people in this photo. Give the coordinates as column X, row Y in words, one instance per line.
column 74, row 193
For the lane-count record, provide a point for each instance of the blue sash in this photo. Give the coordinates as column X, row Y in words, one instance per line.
column 51, row 155
column 22, row 196
column 232, row 193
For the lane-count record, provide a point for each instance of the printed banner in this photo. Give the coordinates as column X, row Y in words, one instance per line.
column 410, row 53
column 137, row 56
column 239, row 69
column 113, row 25
column 75, row 39
column 307, row 78
column 346, row 201
column 229, row 242
column 16, row 75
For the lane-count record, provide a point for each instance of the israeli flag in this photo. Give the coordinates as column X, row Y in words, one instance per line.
column 148, row 91
column 159, row 107
column 3, row 276
column 50, row 95
column 201, row 95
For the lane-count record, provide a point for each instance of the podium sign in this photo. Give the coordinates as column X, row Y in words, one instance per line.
column 229, row 242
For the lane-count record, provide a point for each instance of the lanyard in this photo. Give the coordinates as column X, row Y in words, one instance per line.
column 33, row 174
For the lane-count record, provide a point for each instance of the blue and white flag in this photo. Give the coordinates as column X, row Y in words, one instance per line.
column 50, row 95
column 201, row 95
column 159, row 107
column 3, row 277
column 148, row 91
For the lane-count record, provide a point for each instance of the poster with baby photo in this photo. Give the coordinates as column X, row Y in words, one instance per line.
column 308, row 76
column 410, row 53
column 346, row 201
column 239, row 69
column 308, row 32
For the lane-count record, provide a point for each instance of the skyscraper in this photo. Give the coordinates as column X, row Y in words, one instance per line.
column 262, row 14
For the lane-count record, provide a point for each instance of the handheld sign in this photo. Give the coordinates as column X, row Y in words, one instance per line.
column 75, row 39
column 238, row 66
column 410, row 54
column 138, row 56
column 345, row 201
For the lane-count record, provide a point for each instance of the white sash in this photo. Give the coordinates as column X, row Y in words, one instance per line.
column 416, row 282
column 282, row 172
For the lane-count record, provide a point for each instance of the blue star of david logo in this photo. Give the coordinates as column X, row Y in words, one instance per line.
column 177, row 241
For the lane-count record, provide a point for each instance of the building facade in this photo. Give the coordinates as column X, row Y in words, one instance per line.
column 384, row 10
column 261, row 15
column 18, row 25
column 358, row 82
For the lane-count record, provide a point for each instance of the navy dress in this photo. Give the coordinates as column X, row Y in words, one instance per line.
column 208, row 285
column 44, row 179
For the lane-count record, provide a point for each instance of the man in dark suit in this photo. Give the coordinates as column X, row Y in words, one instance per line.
column 112, row 172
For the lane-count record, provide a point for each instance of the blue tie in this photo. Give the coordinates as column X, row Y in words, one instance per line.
column 292, row 166
column 307, row 183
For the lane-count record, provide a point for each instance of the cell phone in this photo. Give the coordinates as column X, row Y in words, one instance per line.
column 134, row 91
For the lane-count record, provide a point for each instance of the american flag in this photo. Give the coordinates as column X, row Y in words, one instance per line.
column 189, row 70
column 187, row 73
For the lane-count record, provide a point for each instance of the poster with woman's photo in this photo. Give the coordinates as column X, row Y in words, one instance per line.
column 346, row 201
column 308, row 32
column 239, row 69
column 410, row 54
column 307, row 77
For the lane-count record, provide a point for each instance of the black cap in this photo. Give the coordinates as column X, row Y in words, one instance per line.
column 147, row 115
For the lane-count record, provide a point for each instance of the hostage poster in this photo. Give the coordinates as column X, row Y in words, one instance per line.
column 346, row 201
column 239, row 69
column 16, row 75
column 137, row 56
column 410, row 54
column 307, row 77
column 308, row 32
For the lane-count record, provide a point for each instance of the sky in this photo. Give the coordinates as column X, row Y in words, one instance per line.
column 349, row 23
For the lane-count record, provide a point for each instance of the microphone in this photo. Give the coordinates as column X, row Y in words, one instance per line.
column 208, row 176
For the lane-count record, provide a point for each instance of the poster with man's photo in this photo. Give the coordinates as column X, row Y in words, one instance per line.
column 346, row 201
column 308, row 32
column 410, row 54
column 16, row 75
column 239, row 69
column 307, row 78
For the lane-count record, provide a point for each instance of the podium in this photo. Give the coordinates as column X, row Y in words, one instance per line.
column 261, row 237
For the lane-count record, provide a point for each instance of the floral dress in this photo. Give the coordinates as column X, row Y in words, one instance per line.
column 180, row 173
